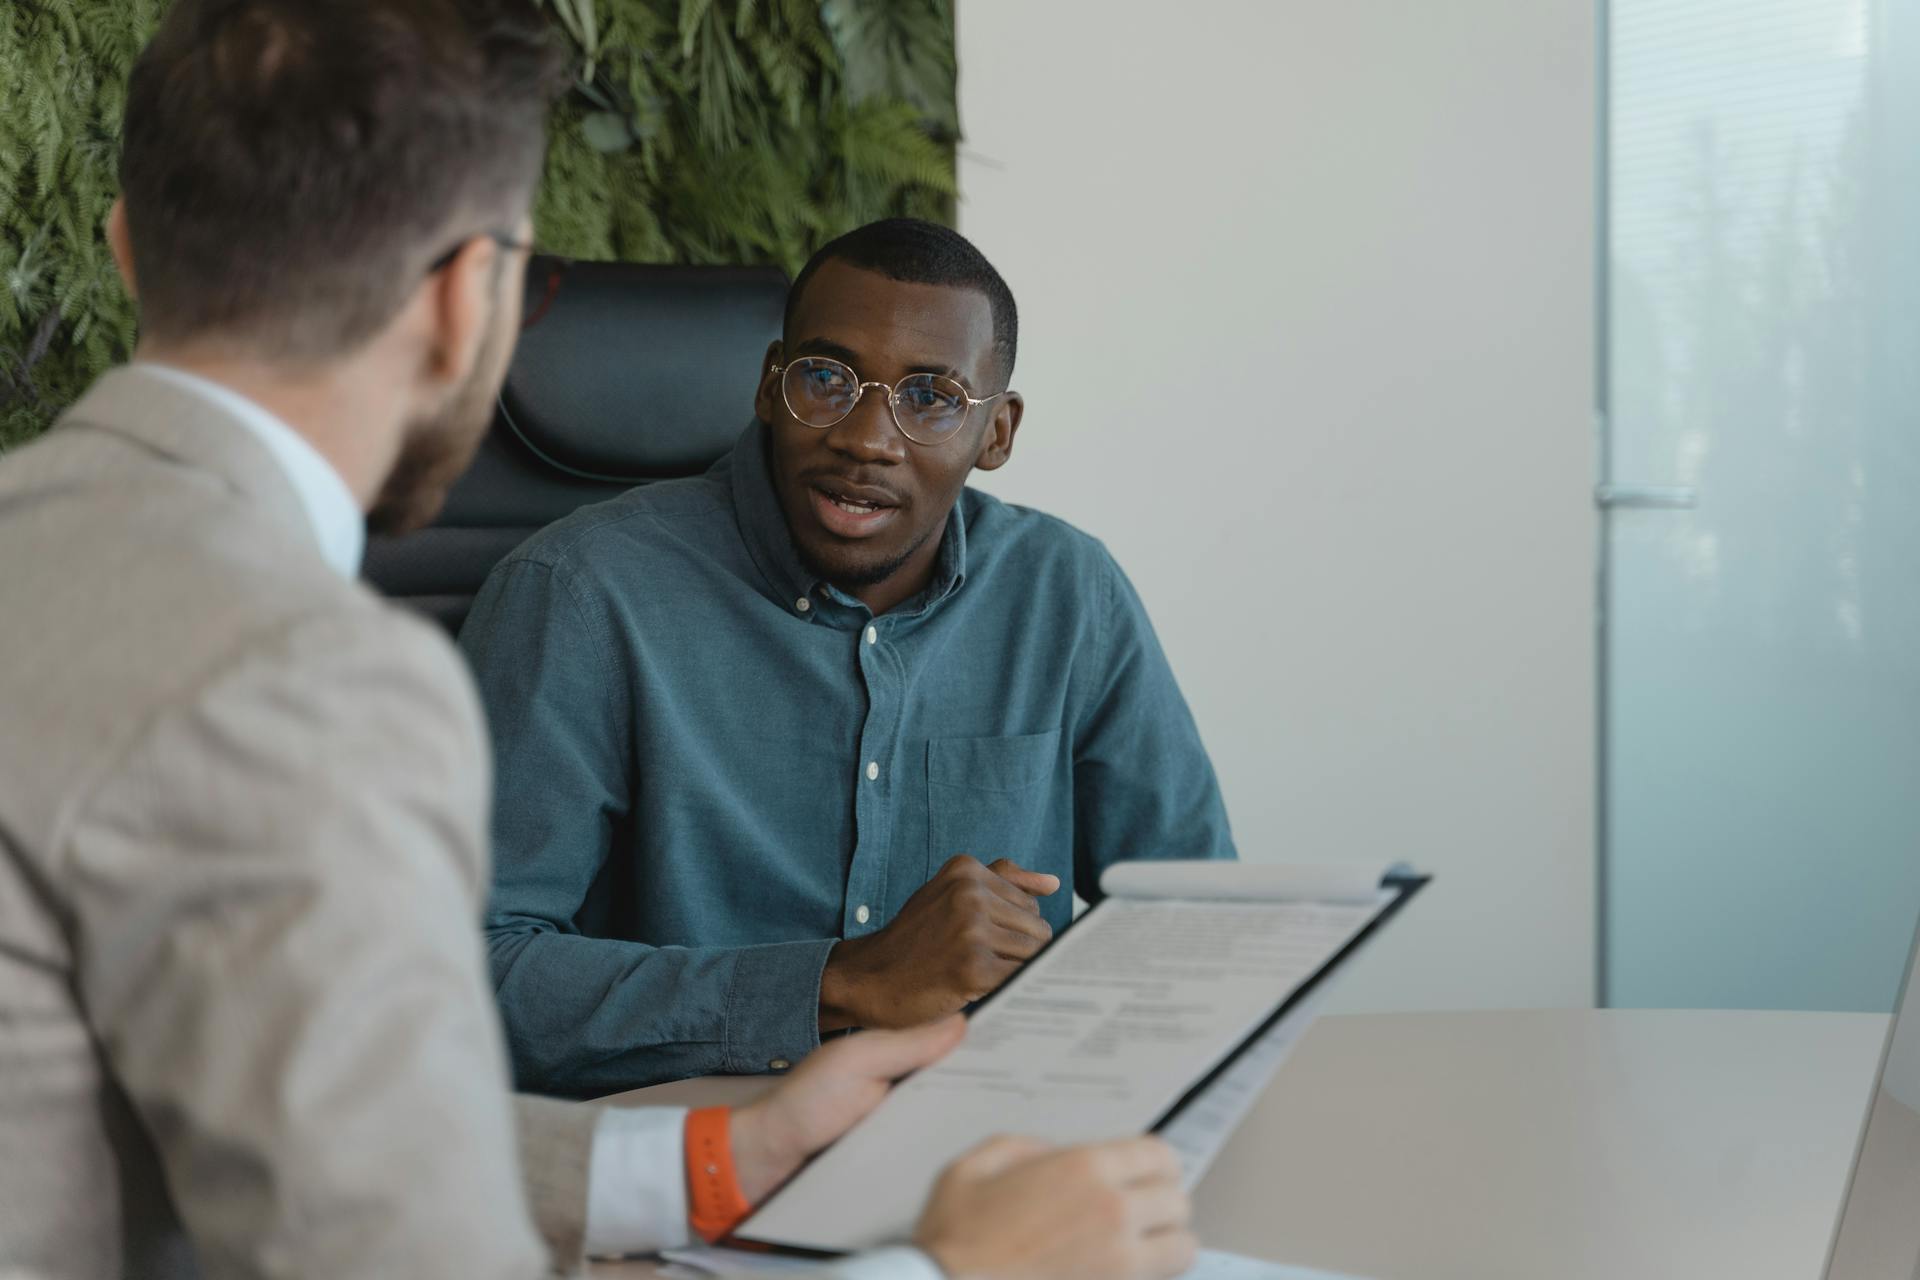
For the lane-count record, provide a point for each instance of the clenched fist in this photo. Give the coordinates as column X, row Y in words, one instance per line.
column 958, row 937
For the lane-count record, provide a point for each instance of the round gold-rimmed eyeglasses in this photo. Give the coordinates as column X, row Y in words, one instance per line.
column 928, row 408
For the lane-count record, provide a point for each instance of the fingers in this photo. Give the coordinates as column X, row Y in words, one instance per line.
column 1009, row 950
column 1013, row 937
column 888, row 1055
column 1005, row 890
column 1159, row 1207
column 1004, row 874
column 984, row 897
column 1169, row 1253
column 1038, row 883
column 960, row 864
column 990, row 926
column 1031, row 931
column 984, row 969
column 1133, row 1161
column 962, row 874
column 997, row 1155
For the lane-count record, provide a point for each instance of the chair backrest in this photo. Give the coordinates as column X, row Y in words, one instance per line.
column 632, row 374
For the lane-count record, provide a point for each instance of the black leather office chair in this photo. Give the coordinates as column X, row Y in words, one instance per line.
column 629, row 374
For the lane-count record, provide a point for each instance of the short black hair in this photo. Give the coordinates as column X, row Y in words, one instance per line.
column 291, row 168
column 917, row 252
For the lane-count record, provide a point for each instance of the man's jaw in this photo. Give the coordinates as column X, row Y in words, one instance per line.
column 828, row 559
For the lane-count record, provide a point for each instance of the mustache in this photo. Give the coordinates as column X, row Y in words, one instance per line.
column 856, row 485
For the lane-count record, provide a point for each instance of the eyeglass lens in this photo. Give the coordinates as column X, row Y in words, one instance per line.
column 926, row 406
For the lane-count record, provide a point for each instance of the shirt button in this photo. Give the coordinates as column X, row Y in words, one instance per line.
column 778, row 1064
column 873, row 771
column 861, row 915
column 803, row 604
column 873, row 635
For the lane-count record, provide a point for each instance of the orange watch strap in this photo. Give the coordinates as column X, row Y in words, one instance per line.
column 714, row 1203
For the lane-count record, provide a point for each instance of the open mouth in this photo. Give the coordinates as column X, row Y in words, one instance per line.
column 851, row 511
column 852, row 507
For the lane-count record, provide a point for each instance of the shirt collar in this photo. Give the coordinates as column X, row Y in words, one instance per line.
column 339, row 526
column 763, row 525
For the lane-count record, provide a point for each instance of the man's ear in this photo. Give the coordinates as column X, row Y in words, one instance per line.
column 120, row 240
column 766, row 396
column 997, row 445
column 460, row 299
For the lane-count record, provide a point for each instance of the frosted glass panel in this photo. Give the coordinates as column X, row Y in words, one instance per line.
column 1763, row 647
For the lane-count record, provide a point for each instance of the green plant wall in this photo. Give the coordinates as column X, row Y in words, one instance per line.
column 693, row 131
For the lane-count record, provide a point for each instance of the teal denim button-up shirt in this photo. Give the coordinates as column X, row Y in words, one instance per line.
column 711, row 765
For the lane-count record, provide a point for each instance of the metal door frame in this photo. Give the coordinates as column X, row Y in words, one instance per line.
column 1603, row 463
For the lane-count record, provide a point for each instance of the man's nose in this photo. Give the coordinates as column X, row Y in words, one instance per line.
column 868, row 434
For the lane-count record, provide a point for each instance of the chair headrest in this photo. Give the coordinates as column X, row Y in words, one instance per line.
column 634, row 372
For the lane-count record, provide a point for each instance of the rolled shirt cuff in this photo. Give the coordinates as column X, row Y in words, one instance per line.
column 637, row 1182
column 773, row 1005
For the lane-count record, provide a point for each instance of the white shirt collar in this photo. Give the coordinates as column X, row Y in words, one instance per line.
column 339, row 526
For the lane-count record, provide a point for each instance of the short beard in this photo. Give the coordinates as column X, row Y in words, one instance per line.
column 436, row 452
column 432, row 458
column 852, row 580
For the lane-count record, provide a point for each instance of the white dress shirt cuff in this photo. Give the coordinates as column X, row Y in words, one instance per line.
column 888, row 1264
column 637, row 1182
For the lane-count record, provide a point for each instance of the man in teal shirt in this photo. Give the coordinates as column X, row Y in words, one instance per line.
column 822, row 738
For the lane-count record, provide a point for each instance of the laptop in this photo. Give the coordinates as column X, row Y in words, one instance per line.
column 1878, row 1237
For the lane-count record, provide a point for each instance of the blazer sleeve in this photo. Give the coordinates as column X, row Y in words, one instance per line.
column 274, row 898
column 556, row 1158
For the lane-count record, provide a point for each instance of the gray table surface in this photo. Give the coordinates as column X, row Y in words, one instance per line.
column 1539, row 1145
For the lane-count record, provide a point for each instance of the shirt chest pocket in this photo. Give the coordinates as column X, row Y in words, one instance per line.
column 995, row 798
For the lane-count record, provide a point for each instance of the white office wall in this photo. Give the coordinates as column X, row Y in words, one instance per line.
column 1307, row 336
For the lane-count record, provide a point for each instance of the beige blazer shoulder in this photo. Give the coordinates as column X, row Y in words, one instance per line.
column 243, row 810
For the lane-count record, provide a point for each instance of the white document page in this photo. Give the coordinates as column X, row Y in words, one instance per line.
column 1214, row 1265
column 1211, row 1265
column 1245, row 882
column 1095, row 1039
column 1207, row 1121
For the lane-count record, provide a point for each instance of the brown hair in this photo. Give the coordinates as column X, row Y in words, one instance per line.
column 293, row 167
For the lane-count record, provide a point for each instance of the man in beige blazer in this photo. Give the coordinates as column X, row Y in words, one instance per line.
column 244, row 1023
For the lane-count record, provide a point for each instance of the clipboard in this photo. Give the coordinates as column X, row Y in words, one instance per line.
column 1384, row 895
